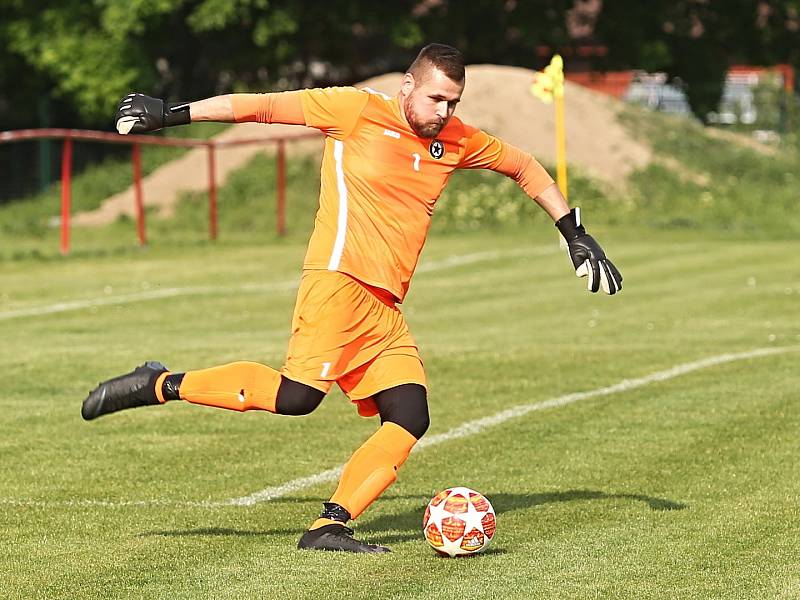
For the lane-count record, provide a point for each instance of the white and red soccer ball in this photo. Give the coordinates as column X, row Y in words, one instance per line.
column 458, row 522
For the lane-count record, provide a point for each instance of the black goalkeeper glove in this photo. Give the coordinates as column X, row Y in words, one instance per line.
column 138, row 113
column 587, row 256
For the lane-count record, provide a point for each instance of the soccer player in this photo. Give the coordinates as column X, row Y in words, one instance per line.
column 385, row 162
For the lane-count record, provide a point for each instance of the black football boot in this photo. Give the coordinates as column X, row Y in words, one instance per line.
column 336, row 537
column 133, row 389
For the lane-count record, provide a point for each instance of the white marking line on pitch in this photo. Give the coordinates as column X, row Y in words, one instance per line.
column 173, row 292
column 466, row 429
column 479, row 425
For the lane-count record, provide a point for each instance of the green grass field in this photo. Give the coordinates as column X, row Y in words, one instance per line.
column 685, row 487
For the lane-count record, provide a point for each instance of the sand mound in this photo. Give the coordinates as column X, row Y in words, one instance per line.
column 496, row 99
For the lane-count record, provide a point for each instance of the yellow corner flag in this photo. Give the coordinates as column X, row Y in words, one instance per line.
column 548, row 85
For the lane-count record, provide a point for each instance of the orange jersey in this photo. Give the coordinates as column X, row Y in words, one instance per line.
column 379, row 180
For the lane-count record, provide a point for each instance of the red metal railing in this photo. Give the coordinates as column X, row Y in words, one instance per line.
column 135, row 141
column 66, row 194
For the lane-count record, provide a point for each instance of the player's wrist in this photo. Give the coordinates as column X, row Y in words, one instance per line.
column 570, row 225
column 176, row 113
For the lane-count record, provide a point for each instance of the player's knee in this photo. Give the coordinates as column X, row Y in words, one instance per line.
column 418, row 423
column 407, row 406
column 295, row 398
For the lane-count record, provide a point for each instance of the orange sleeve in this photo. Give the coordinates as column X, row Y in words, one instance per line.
column 280, row 107
column 484, row 151
column 335, row 110
column 525, row 170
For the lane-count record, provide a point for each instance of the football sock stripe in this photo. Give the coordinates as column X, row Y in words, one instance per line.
column 159, row 387
column 322, row 522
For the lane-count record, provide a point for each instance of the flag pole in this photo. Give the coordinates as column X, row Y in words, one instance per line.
column 548, row 86
column 557, row 64
column 561, row 145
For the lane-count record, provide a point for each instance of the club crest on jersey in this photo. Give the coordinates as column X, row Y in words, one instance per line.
column 436, row 149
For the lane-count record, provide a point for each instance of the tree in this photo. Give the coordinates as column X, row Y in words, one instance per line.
column 88, row 54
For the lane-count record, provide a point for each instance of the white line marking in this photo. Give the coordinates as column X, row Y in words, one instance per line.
column 35, row 311
column 470, row 428
column 173, row 292
column 290, row 487
column 477, row 426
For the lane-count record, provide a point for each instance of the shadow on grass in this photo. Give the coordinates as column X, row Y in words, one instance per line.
column 491, row 551
column 407, row 525
column 222, row 532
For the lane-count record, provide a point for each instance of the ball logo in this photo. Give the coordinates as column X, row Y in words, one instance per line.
column 436, row 149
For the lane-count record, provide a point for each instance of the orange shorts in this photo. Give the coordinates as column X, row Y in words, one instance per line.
column 350, row 333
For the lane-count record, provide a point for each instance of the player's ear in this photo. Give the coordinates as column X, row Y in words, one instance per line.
column 407, row 86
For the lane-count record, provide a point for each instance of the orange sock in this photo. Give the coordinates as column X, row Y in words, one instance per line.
column 236, row 386
column 372, row 468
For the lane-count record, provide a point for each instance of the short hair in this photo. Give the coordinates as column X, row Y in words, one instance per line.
column 447, row 59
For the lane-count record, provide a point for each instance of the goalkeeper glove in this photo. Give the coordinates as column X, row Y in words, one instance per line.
column 587, row 256
column 138, row 113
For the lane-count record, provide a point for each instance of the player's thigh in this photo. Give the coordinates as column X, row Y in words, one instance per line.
column 295, row 398
column 392, row 368
column 325, row 337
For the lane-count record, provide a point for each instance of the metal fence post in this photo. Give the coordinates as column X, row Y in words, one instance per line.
column 70, row 135
column 212, row 193
column 136, row 159
column 66, row 193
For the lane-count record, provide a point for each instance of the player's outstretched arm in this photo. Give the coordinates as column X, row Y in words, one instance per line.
column 587, row 256
column 138, row 113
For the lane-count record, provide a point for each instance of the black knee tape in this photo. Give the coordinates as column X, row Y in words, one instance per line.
column 405, row 405
column 295, row 398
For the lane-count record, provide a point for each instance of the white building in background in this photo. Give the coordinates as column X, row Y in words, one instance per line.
column 739, row 103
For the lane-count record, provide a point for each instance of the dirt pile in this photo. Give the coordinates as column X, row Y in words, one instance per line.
column 497, row 99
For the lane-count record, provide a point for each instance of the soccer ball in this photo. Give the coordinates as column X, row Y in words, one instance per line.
column 458, row 522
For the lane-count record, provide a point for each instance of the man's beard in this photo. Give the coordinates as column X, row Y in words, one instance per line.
column 424, row 129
